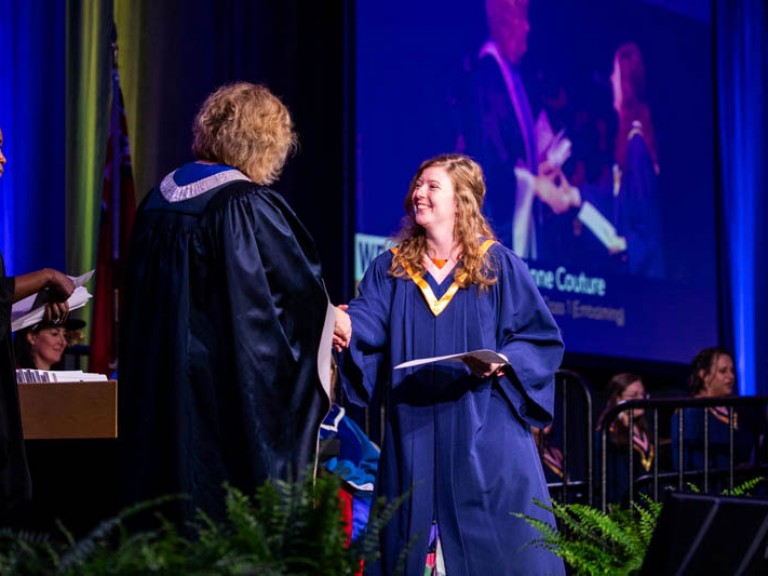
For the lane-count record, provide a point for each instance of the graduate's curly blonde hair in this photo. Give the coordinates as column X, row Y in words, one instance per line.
column 471, row 229
column 245, row 126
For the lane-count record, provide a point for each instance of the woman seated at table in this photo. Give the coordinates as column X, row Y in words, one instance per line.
column 42, row 346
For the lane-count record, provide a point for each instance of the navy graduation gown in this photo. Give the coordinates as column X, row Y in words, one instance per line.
column 224, row 309
column 463, row 445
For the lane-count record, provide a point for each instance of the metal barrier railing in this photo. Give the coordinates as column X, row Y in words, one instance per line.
column 680, row 475
column 584, row 480
column 573, row 425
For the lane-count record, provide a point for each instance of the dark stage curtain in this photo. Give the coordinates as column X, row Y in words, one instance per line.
column 742, row 66
column 174, row 53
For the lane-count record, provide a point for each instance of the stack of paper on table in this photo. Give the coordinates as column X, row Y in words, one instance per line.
column 28, row 376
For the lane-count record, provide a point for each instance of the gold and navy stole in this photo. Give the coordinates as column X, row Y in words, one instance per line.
column 554, row 461
column 645, row 452
column 437, row 306
column 720, row 414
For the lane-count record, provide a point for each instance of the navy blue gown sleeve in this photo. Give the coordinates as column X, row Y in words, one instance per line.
column 367, row 362
column 530, row 339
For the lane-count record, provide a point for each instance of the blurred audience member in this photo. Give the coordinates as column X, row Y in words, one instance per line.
column 627, row 428
column 712, row 376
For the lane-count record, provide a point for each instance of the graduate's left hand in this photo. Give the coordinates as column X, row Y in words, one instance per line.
column 483, row 369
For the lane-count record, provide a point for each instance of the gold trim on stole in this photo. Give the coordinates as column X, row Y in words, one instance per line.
column 437, row 306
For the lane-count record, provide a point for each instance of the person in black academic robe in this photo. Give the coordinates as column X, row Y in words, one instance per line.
column 223, row 365
column 15, row 484
column 458, row 440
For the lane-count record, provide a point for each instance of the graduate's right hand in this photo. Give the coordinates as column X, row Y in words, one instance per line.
column 342, row 330
column 482, row 369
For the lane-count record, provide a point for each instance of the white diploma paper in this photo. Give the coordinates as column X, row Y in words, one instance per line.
column 484, row 355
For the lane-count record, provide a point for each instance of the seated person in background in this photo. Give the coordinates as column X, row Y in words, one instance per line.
column 622, row 388
column 551, row 456
column 712, row 376
column 42, row 346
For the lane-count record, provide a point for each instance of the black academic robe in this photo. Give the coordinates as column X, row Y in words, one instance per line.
column 15, row 486
column 223, row 314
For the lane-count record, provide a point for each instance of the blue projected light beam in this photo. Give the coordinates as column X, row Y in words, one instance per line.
column 32, row 117
column 741, row 112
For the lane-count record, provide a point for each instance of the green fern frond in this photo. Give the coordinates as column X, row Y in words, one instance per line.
column 594, row 542
column 744, row 488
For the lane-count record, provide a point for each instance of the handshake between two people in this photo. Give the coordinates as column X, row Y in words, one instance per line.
column 342, row 329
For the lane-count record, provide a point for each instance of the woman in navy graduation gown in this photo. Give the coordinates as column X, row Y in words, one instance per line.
column 623, row 387
column 458, row 435
column 224, row 311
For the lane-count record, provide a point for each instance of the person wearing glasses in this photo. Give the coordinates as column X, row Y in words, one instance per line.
column 621, row 434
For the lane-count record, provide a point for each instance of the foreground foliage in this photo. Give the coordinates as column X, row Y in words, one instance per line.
column 285, row 528
column 596, row 542
column 615, row 542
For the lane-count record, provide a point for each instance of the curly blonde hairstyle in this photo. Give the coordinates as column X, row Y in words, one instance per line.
column 245, row 126
column 471, row 228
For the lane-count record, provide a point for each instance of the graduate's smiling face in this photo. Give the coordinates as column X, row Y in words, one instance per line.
column 434, row 200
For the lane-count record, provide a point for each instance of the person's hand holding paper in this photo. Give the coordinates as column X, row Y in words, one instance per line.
column 482, row 362
column 483, row 369
column 50, row 306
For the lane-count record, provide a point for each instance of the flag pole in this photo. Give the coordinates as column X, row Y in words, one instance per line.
column 117, row 166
